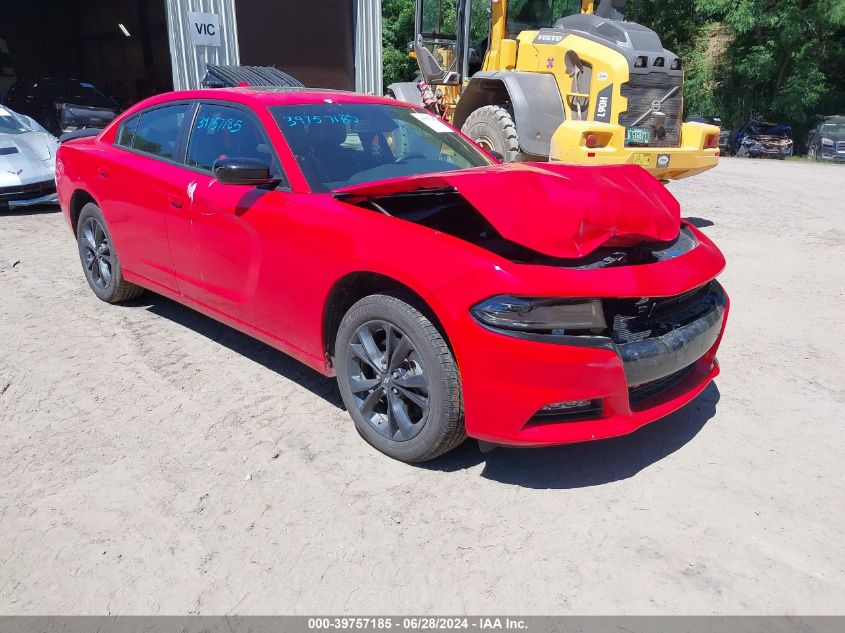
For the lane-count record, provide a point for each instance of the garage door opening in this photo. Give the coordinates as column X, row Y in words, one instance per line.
column 119, row 46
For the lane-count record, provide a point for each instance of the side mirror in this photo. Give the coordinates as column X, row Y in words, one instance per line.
column 243, row 171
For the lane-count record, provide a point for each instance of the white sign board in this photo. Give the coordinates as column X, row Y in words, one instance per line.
column 205, row 29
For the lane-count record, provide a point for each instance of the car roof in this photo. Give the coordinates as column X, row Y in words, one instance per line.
column 270, row 96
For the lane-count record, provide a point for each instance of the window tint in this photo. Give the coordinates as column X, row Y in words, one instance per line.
column 225, row 132
column 126, row 133
column 158, row 131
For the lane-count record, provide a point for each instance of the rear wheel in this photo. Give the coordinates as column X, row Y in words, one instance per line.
column 99, row 259
column 492, row 128
column 398, row 379
column 812, row 153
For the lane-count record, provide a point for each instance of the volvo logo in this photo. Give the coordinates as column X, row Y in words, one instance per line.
column 655, row 105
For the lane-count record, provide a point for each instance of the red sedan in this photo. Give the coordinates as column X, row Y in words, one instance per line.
column 521, row 304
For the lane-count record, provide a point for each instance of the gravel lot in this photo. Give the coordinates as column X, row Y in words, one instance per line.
column 154, row 461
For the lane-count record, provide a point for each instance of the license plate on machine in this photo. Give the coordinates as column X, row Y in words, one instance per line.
column 637, row 135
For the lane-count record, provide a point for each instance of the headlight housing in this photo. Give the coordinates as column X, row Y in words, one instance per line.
column 827, row 142
column 544, row 315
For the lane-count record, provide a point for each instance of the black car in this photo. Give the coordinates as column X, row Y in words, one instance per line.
column 826, row 140
column 62, row 105
column 724, row 133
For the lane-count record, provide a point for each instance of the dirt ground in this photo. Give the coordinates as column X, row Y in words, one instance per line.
column 154, row 461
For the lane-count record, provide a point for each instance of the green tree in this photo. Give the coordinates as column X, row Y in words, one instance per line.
column 397, row 31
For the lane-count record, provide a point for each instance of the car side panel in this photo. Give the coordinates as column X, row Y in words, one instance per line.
column 135, row 193
column 231, row 225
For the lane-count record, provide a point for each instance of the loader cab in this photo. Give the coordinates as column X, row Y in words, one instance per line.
column 452, row 37
column 533, row 15
column 440, row 34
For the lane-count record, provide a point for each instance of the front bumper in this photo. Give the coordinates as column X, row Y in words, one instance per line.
column 831, row 155
column 28, row 195
column 630, row 384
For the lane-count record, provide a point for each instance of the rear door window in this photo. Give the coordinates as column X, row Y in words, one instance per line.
column 157, row 132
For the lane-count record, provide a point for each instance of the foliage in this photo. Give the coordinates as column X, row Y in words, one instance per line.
column 782, row 60
column 397, row 31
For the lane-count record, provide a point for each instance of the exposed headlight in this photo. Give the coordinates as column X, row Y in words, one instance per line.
column 827, row 142
column 528, row 314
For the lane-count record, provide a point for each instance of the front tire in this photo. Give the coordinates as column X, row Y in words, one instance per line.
column 812, row 153
column 99, row 258
column 492, row 128
column 398, row 379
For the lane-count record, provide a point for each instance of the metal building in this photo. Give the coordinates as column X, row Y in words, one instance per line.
column 326, row 43
column 130, row 49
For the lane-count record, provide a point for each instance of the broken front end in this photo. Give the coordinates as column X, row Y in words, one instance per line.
column 599, row 311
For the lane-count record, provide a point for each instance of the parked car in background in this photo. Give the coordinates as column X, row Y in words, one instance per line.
column 724, row 133
column 826, row 140
column 521, row 304
column 760, row 139
column 27, row 161
column 62, row 105
column 7, row 70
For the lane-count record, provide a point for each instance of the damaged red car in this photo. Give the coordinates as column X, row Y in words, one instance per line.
column 521, row 304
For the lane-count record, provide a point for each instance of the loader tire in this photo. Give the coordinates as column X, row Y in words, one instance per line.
column 492, row 128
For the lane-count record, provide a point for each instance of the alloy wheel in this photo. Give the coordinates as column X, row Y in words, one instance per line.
column 388, row 382
column 96, row 253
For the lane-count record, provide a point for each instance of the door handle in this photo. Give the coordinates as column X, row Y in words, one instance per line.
column 175, row 202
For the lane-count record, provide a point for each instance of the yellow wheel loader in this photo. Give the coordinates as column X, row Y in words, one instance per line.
column 556, row 79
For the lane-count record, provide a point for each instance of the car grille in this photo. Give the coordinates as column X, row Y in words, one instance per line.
column 29, row 191
column 645, row 391
column 641, row 90
column 638, row 319
column 840, row 146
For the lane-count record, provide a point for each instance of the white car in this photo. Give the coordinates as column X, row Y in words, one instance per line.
column 27, row 162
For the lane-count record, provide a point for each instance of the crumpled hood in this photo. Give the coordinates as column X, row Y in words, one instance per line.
column 558, row 210
column 768, row 139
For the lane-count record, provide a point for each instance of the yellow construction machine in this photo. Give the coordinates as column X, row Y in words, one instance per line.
column 560, row 80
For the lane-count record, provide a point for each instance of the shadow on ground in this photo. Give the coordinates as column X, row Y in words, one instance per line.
column 42, row 209
column 699, row 223
column 244, row 345
column 589, row 463
column 572, row 466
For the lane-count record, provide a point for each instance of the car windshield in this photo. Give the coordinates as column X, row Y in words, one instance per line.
column 833, row 128
column 769, row 129
column 54, row 88
column 10, row 123
column 340, row 144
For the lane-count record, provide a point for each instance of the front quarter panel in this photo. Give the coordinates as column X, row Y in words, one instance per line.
column 324, row 240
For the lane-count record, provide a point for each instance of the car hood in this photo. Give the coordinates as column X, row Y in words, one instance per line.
column 26, row 158
column 558, row 210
